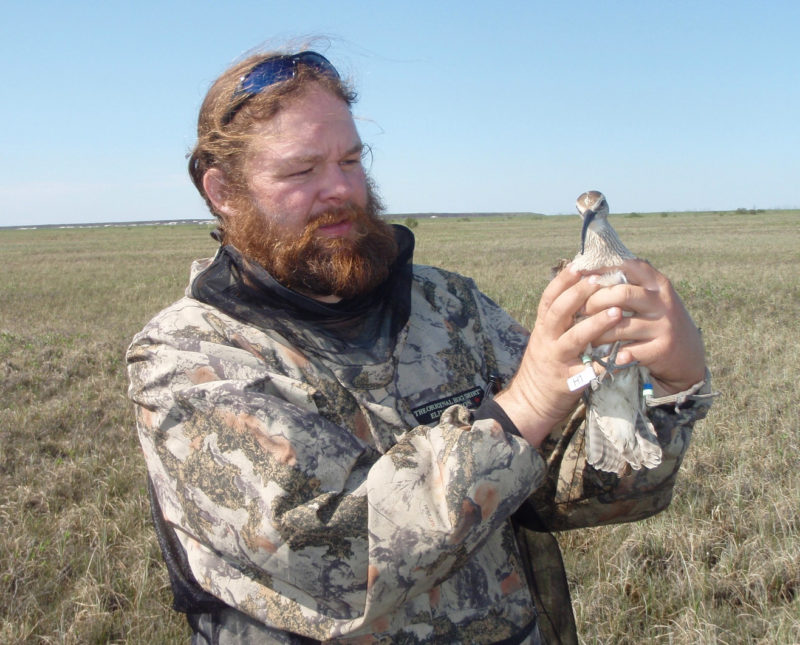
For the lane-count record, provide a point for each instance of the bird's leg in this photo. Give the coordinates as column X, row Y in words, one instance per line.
column 610, row 363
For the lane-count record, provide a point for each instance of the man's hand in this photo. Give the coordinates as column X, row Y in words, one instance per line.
column 660, row 334
column 538, row 397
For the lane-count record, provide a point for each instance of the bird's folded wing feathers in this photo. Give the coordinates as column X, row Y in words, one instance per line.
column 616, row 424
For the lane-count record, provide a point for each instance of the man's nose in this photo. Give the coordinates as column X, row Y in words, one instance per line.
column 337, row 184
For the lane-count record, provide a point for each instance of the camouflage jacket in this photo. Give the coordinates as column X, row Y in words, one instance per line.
column 323, row 470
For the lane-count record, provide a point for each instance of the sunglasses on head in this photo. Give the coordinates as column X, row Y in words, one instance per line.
column 271, row 71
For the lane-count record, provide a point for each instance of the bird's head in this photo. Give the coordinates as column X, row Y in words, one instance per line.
column 592, row 205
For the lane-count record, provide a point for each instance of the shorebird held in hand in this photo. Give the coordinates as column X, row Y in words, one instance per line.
column 618, row 431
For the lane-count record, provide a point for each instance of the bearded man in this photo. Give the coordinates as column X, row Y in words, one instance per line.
column 344, row 446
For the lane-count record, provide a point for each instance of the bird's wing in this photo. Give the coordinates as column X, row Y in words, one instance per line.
column 617, row 430
column 600, row 451
column 648, row 449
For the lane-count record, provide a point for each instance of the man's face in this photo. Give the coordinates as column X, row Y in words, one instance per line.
column 308, row 214
column 306, row 160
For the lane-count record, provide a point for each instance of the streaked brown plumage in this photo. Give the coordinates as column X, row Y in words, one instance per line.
column 618, row 431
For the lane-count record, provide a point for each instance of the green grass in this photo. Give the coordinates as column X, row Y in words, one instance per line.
column 78, row 559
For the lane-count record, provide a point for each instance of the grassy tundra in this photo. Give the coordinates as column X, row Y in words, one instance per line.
column 78, row 559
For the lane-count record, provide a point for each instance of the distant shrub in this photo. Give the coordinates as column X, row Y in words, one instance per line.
column 464, row 219
column 633, row 215
column 411, row 222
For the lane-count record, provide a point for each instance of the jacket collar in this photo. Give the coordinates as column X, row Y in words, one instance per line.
column 246, row 291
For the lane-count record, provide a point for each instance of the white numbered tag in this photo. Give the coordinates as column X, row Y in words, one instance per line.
column 581, row 379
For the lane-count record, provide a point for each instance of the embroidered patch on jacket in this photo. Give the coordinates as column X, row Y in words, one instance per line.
column 430, row 412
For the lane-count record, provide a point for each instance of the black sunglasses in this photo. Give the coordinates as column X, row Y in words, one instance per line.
column 271, row 71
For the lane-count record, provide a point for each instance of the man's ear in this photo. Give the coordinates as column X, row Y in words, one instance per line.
column 218, row 189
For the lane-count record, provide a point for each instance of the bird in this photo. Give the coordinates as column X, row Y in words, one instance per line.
column 618, row 436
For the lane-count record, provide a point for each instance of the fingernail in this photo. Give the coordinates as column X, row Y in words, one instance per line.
column 613, row 312
column 594, row 279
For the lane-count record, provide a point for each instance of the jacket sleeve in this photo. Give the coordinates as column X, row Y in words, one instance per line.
column 574, row 494
column 289, row 516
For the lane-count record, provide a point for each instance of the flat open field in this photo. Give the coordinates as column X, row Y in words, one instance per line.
column 78, row 559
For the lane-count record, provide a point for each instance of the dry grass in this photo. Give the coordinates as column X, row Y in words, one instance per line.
column 79, row 562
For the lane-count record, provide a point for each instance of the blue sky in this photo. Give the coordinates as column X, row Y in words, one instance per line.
column 501, row 106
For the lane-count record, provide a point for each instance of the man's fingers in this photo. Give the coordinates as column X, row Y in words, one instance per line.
column 561, row 302
column 589, row 330
column 638, row 272
column 641, row 302
column 565, row 279
column 642, row 273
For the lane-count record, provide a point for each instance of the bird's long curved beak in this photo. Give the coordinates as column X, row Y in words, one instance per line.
column 588, row 217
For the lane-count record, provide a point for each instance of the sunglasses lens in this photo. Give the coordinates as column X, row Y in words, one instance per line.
column 281, row 68
column 275, row 70
column 265, row 74
column 319, row 62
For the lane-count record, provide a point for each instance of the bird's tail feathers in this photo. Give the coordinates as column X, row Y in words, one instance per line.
column 618, row 431
column 601, row 453
column 605, row 450
column 648, row 449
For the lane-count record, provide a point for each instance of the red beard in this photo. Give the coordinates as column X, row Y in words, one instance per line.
column 314, row 264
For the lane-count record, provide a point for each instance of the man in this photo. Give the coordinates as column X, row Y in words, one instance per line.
column 326, row 456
